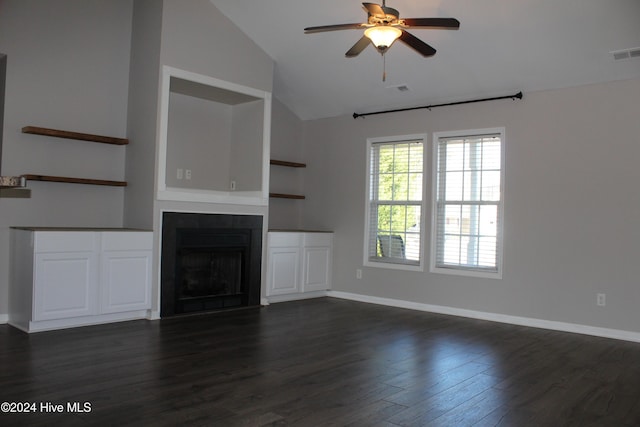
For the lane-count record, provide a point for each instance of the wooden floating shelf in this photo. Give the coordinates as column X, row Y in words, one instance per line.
column 49, row 178
column 286, row 196
column 288, row 164
column 75, row 135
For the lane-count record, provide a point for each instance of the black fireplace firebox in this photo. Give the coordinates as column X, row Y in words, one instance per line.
column 210, row 262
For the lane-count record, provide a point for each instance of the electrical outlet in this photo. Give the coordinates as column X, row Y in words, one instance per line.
column 187, row 173
column 358, row 273
column 179, row 173
column 601, row 300
column 232, row 186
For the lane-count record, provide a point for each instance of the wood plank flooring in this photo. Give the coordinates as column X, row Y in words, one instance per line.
column 321, row 362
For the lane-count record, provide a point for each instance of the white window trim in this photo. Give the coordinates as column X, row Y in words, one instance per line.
column 387, row 264
column 434, row 194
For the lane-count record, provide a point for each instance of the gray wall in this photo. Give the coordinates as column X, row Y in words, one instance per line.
column 217, row 142
column 144, row 75
column 199, row 139
column 287, row 137
column 247, row 128
column 197, row 37
column 571, row 205
column 67, row 68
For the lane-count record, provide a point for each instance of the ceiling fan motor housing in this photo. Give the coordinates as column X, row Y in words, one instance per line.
column 390, row 17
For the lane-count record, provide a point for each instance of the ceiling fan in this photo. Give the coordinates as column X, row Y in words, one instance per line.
column 384, row 26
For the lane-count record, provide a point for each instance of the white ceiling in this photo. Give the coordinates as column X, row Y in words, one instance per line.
column 502, row 47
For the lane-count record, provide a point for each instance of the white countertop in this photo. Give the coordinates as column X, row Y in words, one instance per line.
column 293, row 230
column 79, row 229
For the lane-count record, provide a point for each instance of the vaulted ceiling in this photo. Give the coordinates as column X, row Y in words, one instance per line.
column 502, row 47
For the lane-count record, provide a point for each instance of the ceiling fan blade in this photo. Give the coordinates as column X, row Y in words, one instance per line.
column 321, row 28
column 416, row 44
column 442, row 23
column 358, row 47
column 374, row 9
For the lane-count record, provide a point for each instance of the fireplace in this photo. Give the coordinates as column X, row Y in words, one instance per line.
column 210, row 262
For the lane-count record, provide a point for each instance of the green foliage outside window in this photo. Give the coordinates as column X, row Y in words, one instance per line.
column 399, row 167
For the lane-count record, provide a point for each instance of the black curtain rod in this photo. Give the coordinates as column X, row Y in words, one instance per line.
column 429, row 107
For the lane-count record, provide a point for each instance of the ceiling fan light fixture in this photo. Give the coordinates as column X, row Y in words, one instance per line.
column 384, row 27
column 382, row 36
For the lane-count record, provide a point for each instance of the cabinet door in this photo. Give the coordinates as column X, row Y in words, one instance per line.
column 126, row 281
column 283, row 271
column 65, row 285
column 317, row 270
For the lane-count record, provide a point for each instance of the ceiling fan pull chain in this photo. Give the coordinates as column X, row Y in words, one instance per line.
column 384, row 68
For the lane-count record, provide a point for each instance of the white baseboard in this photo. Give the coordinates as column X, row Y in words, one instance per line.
column 494, row 317
column 294, row 297
column 4, row 318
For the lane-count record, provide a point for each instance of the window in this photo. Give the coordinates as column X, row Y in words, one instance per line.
column 468, row 200
column 393, row 229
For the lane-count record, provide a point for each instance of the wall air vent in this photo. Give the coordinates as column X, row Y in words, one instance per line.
column 619, row 55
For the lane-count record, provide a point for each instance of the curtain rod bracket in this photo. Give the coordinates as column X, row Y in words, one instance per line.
column 429, row 107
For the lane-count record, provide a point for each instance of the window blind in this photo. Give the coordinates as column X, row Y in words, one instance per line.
column 468, row 202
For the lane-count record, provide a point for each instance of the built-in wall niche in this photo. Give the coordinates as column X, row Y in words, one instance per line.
column 213, row 140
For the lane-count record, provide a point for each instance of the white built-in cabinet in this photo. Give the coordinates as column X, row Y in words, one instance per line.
column 125, row 282
column 65, row 278
column 298, row 264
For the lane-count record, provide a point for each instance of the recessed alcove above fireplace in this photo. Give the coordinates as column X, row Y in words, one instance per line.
column 209, row 262
column 213, row 141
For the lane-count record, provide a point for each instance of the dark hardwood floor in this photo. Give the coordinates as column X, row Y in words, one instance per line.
column 320, row 362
